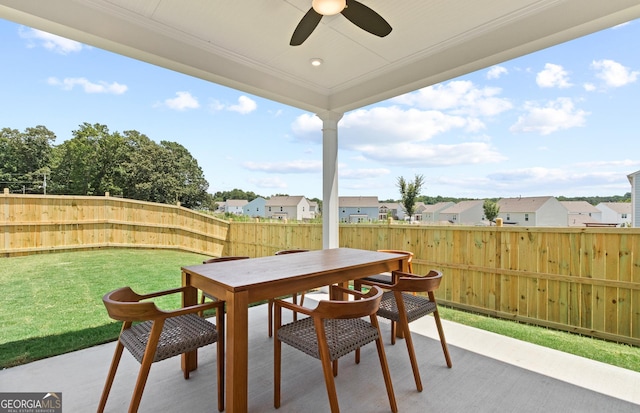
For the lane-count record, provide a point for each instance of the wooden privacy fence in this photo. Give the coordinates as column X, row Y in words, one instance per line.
column 583, row 280
column 41, row 223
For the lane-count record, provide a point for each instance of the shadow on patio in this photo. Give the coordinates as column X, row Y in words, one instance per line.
column 490, row 373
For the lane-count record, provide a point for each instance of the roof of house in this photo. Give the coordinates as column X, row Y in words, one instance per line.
column 619, row 207
column 358, row 201
column 462, row 206
column 236, row 202
column 577, row 207
column 523, row 204
column 284, row 200
column 433, row 207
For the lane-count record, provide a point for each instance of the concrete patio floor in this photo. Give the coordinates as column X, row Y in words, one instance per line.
column 491, row 373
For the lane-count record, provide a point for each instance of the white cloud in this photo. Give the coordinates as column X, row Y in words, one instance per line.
column 244, row 106
column 425, row 155
column 69, row 83
column 269, row 182
column 50, row 41
column 291, row 167
column 549, row 181
column 496, row 72
column 460, row 97
column 363, row 173
column 589, row 87
column 613, row 73
column 553, row 76
column 182, row 101
column 556, row 115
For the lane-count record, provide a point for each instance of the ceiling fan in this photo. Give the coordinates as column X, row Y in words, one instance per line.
column 356, row 12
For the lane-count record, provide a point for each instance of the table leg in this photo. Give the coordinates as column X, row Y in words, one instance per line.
column 189, row 360
column 237, row 351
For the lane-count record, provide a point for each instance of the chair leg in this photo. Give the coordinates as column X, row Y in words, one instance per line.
column 327, row 368
column 145, row 366
column 412, row 354
column 112, row 373
column 270, row 315
column 385, row 368
column 202, row 298
column 443, row 342
column 294, row 299
column 394, row 329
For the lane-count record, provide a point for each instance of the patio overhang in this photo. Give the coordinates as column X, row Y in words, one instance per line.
column 244, row 44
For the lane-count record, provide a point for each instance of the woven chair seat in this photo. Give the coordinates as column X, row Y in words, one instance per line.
column 417, row 306
column 180, row 334
column 380, row 278
column 343, row 336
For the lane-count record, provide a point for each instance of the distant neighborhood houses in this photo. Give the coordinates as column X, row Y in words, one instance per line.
column 542, row 211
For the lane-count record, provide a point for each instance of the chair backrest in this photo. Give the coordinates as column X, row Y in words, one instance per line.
column 221, row 259
column 124, row 304
column 416, row 283
column 282, row 252
column 367, row 305
column 409, row 260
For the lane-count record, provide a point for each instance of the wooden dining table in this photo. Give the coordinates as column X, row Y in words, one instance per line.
column 242, row 282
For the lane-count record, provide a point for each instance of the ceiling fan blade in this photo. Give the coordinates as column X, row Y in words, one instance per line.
column 305, row 27
column 365, row 18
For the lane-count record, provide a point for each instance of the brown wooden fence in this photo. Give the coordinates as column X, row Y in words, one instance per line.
column 584, row 280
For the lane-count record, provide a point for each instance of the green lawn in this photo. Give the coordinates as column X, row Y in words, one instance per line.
column 52, row 305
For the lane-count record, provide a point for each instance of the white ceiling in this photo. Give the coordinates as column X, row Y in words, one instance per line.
column 244, row 44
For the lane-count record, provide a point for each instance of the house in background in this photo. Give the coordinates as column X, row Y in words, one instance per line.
column 535, row 211
column 431, row 213
column 313, row 208
column 234, row 206
column 464, row 212
column 255, row 208
column 288, row 207
column 220, row 206
column 581, row 213
column 618, row 213
column 634, row 180
column 358, row 208
column 390, row 210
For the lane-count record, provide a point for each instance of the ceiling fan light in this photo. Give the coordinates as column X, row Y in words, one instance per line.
column 328, row 7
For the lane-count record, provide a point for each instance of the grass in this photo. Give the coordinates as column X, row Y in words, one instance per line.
column 52, row 305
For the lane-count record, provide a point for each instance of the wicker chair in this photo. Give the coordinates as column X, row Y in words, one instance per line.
column 160, row 335
column 332, row 330
column 294, row 296
column 385, row 279
column 401, row 307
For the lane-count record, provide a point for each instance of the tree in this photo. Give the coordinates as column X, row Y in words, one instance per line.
column 130, row 164
column 409, row 191
column 25, row 158
column 491, row 210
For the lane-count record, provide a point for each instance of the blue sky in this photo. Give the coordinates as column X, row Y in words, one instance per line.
column 562, row 121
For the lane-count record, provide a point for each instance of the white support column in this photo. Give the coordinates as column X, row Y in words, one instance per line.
column 330, row 213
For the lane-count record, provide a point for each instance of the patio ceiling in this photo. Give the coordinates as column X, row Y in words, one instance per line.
column 244, row 44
